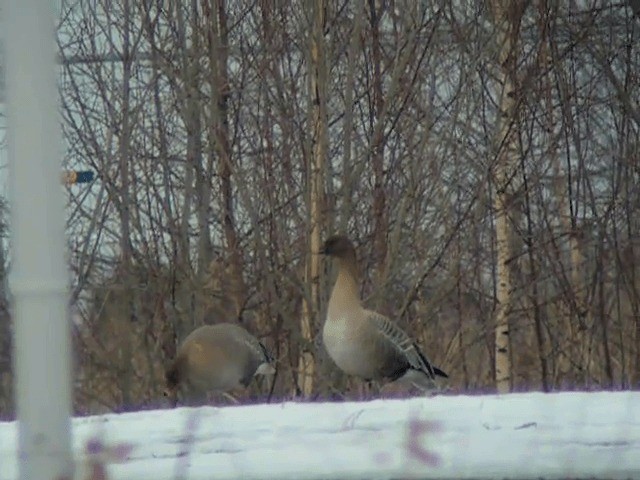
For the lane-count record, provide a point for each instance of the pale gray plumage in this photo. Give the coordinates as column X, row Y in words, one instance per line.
column 218, row 358
column 365, row 343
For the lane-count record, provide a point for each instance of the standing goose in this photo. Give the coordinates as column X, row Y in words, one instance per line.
column 218, row 358
column 362, row 342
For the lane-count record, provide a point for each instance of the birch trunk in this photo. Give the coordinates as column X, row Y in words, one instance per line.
column 317, row 96
column 507, row 17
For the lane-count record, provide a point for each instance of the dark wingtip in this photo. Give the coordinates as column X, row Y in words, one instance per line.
column 432, row 370
column 439, row 372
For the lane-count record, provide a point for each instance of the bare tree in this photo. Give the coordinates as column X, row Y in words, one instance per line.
column 507, row 17
column 484, row 160
column 316, row 179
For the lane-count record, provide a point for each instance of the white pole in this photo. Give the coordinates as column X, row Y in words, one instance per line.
column 38, row 273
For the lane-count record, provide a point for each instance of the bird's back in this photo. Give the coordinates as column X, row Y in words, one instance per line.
column 219, row 357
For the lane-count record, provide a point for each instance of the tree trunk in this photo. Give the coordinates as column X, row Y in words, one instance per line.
column 191, row 114
column 507, row 17
column 125, row 328
column 379, row 210
column 219, row 121
column 6, row 347
column 348, row 171
column 318, row 98
column 534, row 294
column 203, row 168
column 544, row 65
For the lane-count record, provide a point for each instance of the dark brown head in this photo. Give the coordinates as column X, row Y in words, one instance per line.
column 338, row 246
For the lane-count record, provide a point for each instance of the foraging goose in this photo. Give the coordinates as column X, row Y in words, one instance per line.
column 365, row 343
column 218, row 358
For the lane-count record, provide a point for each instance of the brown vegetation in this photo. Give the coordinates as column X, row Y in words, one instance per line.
column 487, row 183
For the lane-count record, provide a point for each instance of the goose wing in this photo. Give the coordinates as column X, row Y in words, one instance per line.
column 401, row 343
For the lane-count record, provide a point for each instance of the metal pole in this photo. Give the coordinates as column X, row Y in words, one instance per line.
column 39, row 276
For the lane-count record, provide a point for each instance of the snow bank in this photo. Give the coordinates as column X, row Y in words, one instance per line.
column 530, row 435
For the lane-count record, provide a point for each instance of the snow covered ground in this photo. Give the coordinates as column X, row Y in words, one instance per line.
column 535, row 435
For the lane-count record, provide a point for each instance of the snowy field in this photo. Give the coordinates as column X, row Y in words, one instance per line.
column 565, row 435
